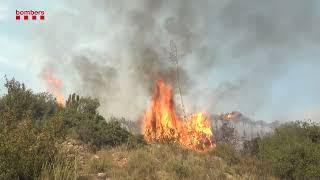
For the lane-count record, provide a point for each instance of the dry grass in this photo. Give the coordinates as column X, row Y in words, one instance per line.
column 59, row 170
column 163, row 161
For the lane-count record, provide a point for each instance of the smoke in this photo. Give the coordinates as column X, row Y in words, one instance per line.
column 115, row 50
column 271, row 24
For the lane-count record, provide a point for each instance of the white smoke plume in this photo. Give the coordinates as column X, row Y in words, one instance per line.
column 114, row 50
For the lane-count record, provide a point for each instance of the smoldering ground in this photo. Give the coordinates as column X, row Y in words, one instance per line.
column 230, row 52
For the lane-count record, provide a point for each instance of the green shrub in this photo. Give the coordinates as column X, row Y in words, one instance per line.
column 81, row 117
column 251, row 147
column 228, row 153
column 31, row 125
column 293, row 150
column 25, row 151
column 135, row 141
column 29, row 129
column 102, row 133
column 20, row 101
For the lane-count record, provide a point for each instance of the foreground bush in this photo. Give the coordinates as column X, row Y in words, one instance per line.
column 20, row 101
column 29, row 130
column 32, row 125
column 293, row 150
column 25, row 150
column 82, row 119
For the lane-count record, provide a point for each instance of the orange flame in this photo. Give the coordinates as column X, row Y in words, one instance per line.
column 161, row 123
column 53, row 85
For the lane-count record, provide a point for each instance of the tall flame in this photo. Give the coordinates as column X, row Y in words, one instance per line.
column 53, row 85
column 161, row 123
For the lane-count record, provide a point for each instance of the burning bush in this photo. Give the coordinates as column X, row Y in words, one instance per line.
column 161, row 123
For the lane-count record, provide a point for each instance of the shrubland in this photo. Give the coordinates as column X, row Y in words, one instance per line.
column 36, row 134
column 32, row 127
column 292, row 151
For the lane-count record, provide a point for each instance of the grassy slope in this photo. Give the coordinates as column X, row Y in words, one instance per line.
column 160, row 161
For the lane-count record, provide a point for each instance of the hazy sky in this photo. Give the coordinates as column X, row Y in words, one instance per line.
column 259, row 58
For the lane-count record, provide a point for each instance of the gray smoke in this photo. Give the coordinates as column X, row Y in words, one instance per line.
column 115, row 50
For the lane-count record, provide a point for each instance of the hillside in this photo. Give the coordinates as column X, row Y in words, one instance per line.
column 165, row 161
column 44, row 139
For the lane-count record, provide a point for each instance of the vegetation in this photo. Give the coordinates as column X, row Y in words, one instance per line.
column 167, row 161
column 44, row 140
column 33, row 125
column 227, row 135
column 29, row 139
column 82, row 118
column 293, row 151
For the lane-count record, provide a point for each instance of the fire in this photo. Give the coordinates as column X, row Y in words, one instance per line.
column 53, row 85
column 161, row 123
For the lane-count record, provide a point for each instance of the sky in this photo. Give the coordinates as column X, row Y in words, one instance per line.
column 259, row 58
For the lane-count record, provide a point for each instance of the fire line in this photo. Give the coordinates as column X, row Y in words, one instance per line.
column 161, row 123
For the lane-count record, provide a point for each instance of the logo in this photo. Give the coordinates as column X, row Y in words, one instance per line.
column 29, row 15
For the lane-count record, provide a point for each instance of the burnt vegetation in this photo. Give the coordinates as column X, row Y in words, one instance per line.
column 34, row 129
